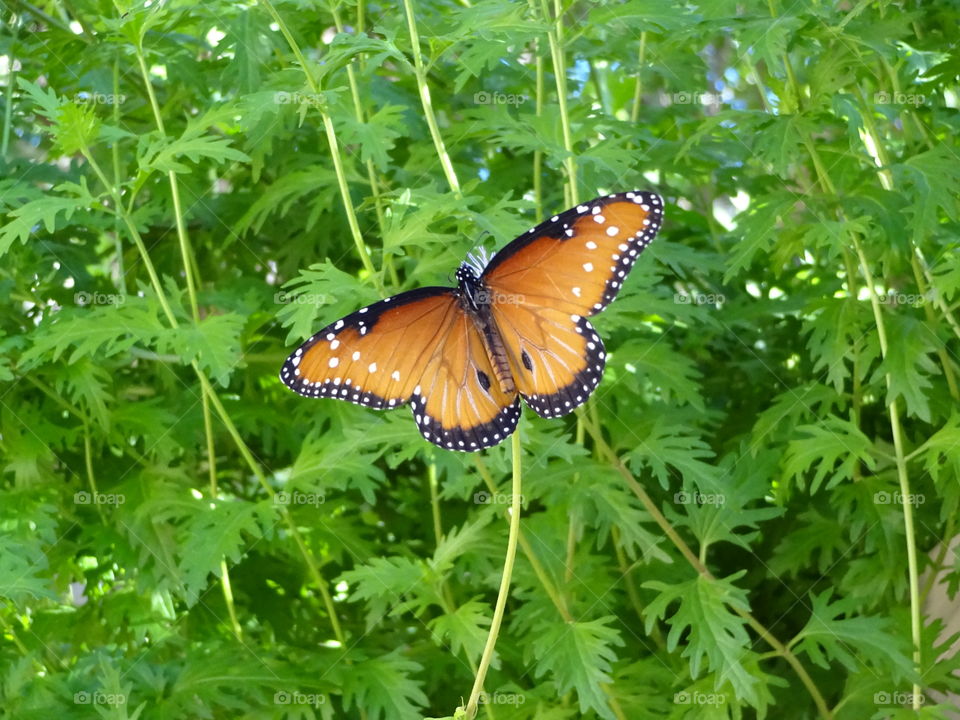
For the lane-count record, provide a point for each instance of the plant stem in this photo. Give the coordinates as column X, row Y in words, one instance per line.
column 514, row 533
column 897, row 430
column 192, row 274
column 358, row 111
column 638, row 87
column 555, row 37
column 334, row 153
column 428, row 114
column 11, row 83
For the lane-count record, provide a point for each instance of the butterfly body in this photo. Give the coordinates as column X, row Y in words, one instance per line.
column 514, row 326
column 475, row 298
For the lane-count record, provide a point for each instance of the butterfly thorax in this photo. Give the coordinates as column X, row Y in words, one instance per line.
column 476, row 300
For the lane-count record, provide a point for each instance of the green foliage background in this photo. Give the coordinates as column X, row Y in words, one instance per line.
column 785, row 355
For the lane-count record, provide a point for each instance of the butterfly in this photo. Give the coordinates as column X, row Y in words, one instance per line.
column 514, row 326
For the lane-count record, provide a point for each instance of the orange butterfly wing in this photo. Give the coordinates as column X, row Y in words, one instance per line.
column 544, row 284
column 418, row 347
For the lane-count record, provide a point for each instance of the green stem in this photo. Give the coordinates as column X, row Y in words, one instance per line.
column 421, row 78
column 91, row 478
column 514, row 533
column 555, row 37
column 192, row 273
column 334, row 153
column 434, row 500
column 897, row 430
column 638, row 86
column 11, row 83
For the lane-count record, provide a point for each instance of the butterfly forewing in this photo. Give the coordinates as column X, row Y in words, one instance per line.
column 576, row 262
column 375, row 356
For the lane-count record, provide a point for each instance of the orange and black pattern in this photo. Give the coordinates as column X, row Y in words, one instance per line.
column 462, row 357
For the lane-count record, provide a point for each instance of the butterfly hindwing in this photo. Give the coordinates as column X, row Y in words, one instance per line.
column 557, row 359
column 459, row 404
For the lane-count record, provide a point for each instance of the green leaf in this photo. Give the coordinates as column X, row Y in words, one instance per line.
column 579, row 656
column 223, row 529
column 835, row 633
column 465, row 629
column 909, row 364
column 822, row 447
column 24, row 220
column 677, row 446
column 383, row 687
column 716, row 635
